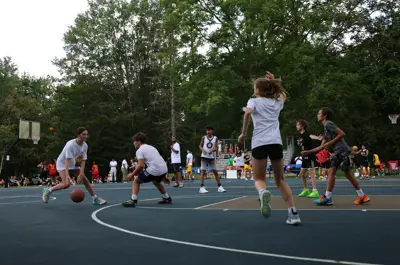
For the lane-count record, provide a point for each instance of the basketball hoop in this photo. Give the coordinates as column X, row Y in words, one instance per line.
column 393, row 118
column 35, row 141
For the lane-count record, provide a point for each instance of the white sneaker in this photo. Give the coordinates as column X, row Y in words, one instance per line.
column 221, row 189
column 293, row 219
column 203, row 190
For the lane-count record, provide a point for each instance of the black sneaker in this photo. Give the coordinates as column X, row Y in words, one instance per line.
column 165, row 201
column 129, row 203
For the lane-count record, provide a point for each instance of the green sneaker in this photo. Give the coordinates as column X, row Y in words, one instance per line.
column 304, row 193
column 313, row 194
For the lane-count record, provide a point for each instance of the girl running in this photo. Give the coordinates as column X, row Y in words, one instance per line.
column 73, row 157
column 267, row 142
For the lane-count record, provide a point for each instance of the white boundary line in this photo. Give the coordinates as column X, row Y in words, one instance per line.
column 211, row 204
column 11, row 203
column 97, row 220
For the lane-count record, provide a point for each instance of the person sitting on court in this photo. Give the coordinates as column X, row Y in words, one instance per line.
column 156, row 170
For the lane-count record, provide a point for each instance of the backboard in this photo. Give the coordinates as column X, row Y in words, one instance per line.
column 29, row 130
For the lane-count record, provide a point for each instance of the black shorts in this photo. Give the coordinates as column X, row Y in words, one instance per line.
column 341, row 161
column 271, row 151
column 365, row 163
column 326, row 164
column 145, row 177
column 308, row 162
column 176, row 167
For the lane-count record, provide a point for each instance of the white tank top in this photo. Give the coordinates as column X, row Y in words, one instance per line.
column 208, row 145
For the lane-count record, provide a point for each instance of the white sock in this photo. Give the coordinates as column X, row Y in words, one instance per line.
column 50, row 190
column 260, row 192
column 165, row 196
column 94, row 196
column 328, row 194
column 292, row 210
column 360, row 193
column 314, row 190
column 134, row 197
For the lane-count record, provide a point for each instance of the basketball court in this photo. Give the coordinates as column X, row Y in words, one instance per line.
column 215, row 228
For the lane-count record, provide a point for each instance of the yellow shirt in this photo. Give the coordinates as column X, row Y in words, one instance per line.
column 377, row 162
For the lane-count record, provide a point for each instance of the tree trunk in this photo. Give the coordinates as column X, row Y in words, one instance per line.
column 173, row 123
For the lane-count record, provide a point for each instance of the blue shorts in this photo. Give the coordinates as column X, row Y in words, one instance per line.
column 145, row 177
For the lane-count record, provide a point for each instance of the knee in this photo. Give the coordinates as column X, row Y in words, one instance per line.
column 67, row 185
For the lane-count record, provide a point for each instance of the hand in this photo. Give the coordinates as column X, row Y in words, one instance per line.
column 241, row 138
column 320, row 137
column 305, row 153
column 129, row 177
column 269, row 76
column 166, row 180
column 204, row 152
column 327, row 145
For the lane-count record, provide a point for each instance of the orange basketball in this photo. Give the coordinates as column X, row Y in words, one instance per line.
column 77, row 195
column 51, row 129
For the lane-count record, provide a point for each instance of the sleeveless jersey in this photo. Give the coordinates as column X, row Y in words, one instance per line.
column 364, row 153
column 208, row 145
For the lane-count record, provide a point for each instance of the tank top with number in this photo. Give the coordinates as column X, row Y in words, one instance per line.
column 208, row 145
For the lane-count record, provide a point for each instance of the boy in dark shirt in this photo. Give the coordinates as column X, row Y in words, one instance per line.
column 333, row 137
column 304, row 141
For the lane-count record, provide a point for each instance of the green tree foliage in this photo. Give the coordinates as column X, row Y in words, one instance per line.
column 173, row 67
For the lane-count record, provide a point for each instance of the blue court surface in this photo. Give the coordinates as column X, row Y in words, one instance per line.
column 212, row 229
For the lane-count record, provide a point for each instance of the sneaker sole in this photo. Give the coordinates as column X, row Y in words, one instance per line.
column 297, row 222
column 265, row 207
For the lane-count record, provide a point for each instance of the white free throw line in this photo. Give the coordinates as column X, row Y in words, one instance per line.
column 208, row 205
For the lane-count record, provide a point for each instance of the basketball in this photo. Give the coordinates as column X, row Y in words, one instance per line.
column 355, row 148
column 77, row 195
column 51, row 129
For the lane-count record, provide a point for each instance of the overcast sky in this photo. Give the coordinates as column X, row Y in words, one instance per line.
column 31, row 32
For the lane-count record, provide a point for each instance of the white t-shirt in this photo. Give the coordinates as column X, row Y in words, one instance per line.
column 113, row 164
column 176, row 157
column 156, row 165
column 124, row 164
column 239, row 161
column 76, row 153
column 189, row 159
column 265, row 117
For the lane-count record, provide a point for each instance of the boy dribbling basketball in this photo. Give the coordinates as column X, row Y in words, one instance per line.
column 73, row 157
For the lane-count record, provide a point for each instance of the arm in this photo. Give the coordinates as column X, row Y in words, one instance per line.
column 138, row 168
column 315, row 150
column 66, row 166
column 201, row 145
column 246, row 120
column 314, row 137
column 215, row 149
column 82, row 169
column 339, row 135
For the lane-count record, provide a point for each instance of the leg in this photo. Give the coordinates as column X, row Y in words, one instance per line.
column 362, row 198
column 64, row 184
column 314, row 193
column 135, row 191
column 220, row 188
column 286, row 192
column 166, row 199
column 203, row 169
column 327, row 198
column 305, row 191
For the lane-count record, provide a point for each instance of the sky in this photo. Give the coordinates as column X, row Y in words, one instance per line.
column 31, row 32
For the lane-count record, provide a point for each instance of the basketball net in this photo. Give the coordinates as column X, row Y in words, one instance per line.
column 35, row 141
column 393, row 118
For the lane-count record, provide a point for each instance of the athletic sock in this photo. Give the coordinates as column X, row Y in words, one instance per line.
column 314, row 190
column 219, row 185
column 360, row 193
column 328, row 194
column 165, row 196
column 134, row 197
column 94, row 196
column 260, row 192
column 201, row 185
column 50, row 190
column 292, row 210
